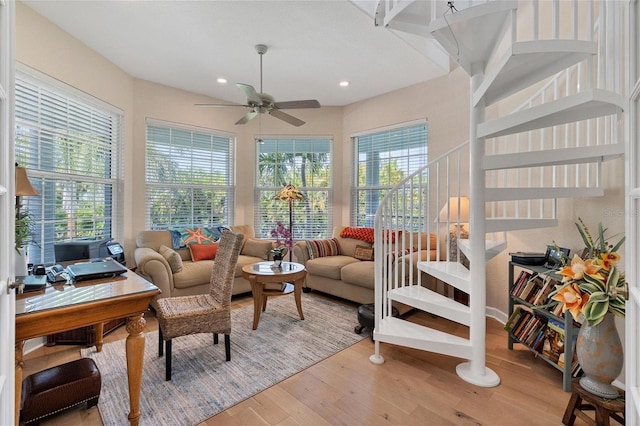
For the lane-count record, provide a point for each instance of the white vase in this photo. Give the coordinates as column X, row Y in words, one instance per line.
column 21, row 263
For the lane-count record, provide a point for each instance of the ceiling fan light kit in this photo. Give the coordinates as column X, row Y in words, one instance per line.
column 261, row 103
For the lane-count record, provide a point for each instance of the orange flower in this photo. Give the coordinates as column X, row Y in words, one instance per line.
column 572, row 299
column 609, row 260
column 578, row 268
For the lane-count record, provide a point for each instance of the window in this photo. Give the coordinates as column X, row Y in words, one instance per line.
column 189, row 176
column 71, row 145
column 306, row 164
column 381, row 160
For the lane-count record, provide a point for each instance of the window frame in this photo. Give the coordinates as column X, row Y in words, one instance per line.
column 376, row 191
column 319, row 198
column 53, row 115
column 206, row 189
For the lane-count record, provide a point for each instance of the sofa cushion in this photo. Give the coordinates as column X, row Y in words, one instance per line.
column 173, row 258
column 244, row 260
column 203, row 251
column 257, row 248
column 193, row 273
column 322, row 248
column 361, row 274
column 329, row 266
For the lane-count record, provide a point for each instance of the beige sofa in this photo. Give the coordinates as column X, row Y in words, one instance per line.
column 350, row 278
column 192, row 277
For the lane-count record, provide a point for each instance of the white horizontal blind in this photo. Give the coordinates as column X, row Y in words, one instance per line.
column 189, row 176
column 306, row 164
column 382, row 159
column 71, row 145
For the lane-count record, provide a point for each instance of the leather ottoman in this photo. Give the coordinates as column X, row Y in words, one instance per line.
column 57, row 388
column 366, row 318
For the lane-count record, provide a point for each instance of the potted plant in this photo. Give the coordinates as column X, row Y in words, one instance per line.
column 595, row 289
column 23, row 237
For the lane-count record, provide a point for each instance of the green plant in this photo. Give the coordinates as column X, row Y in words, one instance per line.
column 24, row 229
column 593, row 286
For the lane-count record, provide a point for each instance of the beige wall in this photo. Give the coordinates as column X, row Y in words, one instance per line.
column 444, row 102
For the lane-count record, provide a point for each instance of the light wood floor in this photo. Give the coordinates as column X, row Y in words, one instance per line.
column 411, row 388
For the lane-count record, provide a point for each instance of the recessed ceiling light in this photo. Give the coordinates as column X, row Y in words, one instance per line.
column 222, row 80
column 344, row 83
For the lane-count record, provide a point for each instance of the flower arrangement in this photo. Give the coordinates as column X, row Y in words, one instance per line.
column 284, row 241
column 593, row 286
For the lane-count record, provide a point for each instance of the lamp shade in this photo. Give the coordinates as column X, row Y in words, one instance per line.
column 23, row 185
column 452, row 208
column 290, row 192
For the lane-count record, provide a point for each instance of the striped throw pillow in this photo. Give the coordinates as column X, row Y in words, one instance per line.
column 322, row 248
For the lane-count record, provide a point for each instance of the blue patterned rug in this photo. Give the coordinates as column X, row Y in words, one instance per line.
column 203, row 384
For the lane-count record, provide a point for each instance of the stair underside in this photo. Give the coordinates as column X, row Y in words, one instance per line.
column 405, row 333
column 471, row 34
column 492, row 248
column 554, row 157
column 512, row 194
column 430, row 301
column 570, row 109
column 526, row 63
column 508, row 224
column 452, row 273
column 408, row 16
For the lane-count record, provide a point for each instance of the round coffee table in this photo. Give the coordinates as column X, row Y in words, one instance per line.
column 291, row 276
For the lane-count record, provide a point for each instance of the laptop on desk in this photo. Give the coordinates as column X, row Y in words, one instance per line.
column 94, row 270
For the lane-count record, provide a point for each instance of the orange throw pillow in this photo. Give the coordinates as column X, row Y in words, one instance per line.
column 203, row 251
column 364, row 234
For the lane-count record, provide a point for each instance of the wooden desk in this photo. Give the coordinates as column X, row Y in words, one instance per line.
column 258, row 274
column 67, row 307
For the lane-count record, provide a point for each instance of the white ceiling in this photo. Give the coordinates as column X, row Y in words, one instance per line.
column 313, row 45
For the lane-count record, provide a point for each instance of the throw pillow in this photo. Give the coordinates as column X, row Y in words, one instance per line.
column 257, row 248
column 196, row 236
column 322, row 248
column 363, row 253
column 173, row 258
column 203, row 251
column 364, row 234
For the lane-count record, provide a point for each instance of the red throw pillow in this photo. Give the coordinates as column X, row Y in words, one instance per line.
column 203, row 251
column 364, row 234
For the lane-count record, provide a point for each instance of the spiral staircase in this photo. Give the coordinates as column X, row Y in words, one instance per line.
column 555, row 58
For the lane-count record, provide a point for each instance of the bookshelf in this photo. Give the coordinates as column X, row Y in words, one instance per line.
column 538, row 329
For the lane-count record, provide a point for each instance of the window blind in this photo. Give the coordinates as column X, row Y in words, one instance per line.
column 306, row 164
column 71, row 145
column 381, row 160
column 189, row 176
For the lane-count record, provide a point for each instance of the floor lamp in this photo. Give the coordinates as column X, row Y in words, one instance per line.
column 290, row 193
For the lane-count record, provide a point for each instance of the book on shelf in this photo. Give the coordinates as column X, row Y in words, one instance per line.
column 554, row 345
column 275, row 286
column 520, row 282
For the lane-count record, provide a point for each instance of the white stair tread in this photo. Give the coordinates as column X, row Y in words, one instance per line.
column 582, row 106
column 405, row 333
column 430, row 301
column 511, row 194
column 560, row 156
column 509, row 224
column 453, row 273
column 526, row 63
column 471, row 34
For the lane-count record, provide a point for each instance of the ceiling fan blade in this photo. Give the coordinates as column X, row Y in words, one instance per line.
column 309, row 103
column 251, row 93
column 286, row 117
column 248, row 116
column 223, row 105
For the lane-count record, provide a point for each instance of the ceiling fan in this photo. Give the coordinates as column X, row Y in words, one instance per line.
column 261, row 103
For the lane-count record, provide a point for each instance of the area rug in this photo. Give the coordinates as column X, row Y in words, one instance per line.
column 203, row 384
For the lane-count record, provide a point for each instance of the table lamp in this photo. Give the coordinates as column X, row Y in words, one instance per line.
column 456, row 212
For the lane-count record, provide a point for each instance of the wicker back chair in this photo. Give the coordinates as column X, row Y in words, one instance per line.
column 202, row 313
